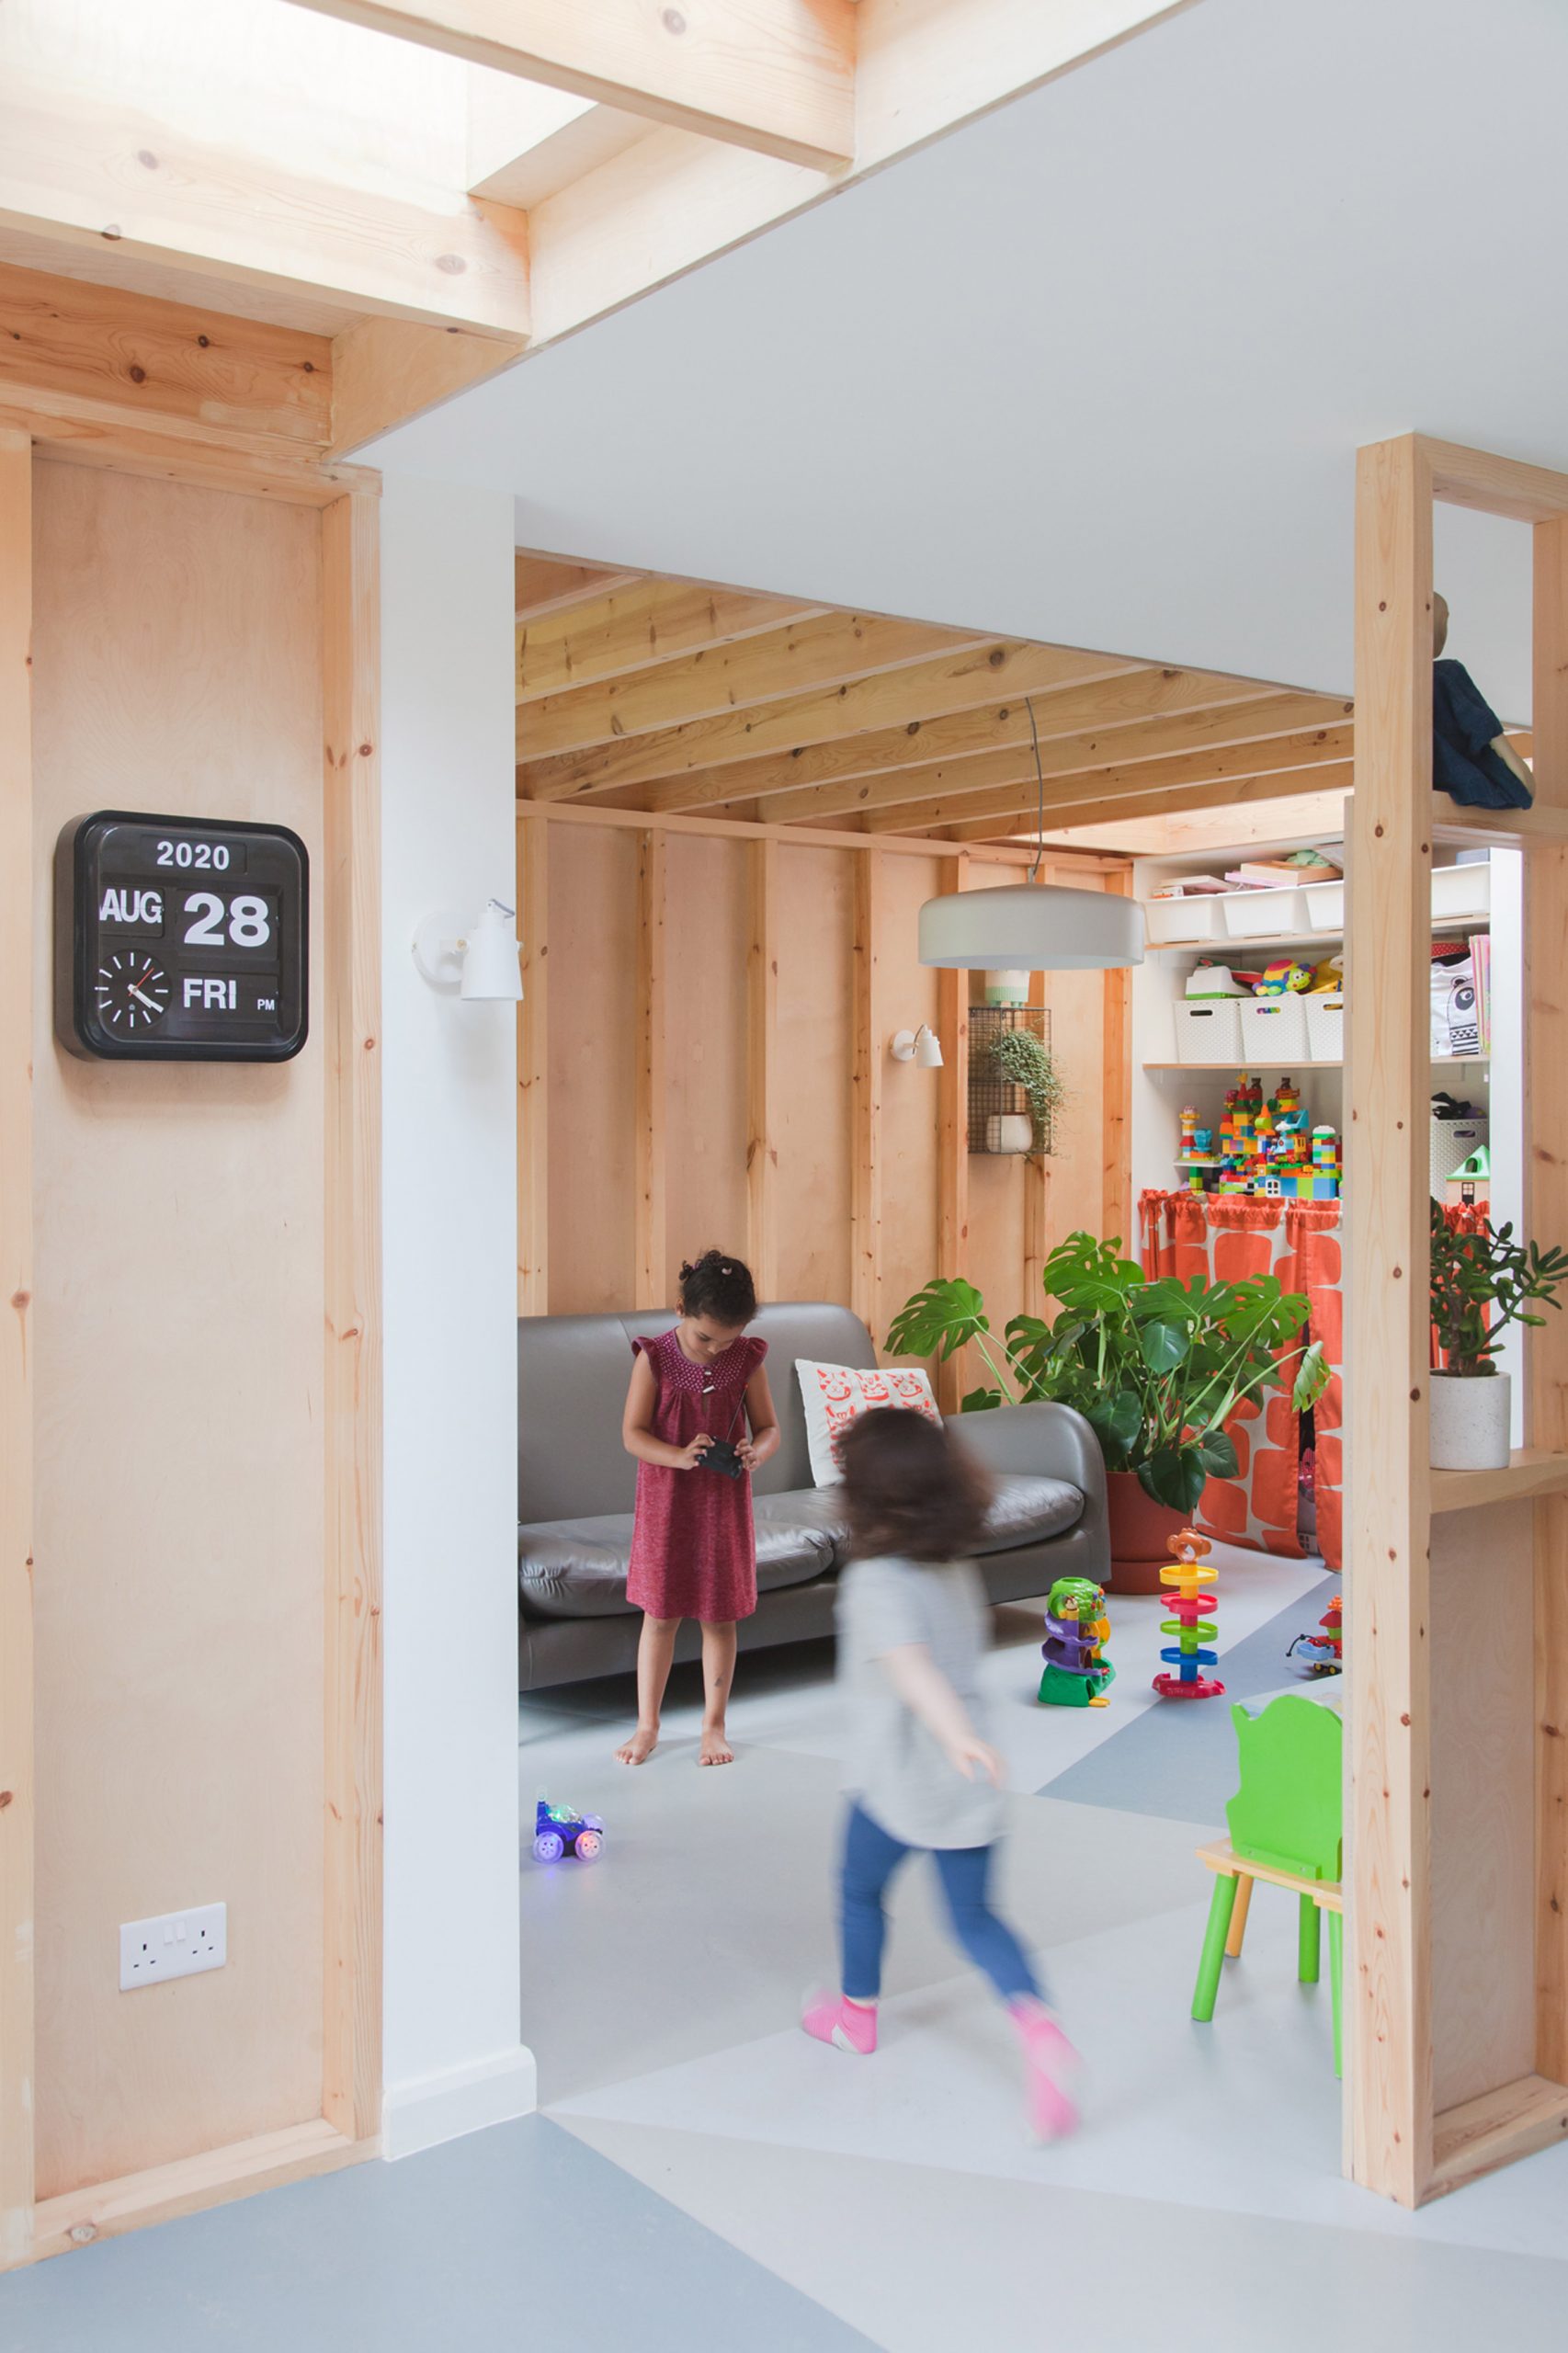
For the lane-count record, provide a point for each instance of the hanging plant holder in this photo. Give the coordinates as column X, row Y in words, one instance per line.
column 995, row 1096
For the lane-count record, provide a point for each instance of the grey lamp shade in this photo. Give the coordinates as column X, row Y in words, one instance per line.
column 1031, row 928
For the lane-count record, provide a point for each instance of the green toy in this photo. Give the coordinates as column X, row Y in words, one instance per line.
column 1076, row 1673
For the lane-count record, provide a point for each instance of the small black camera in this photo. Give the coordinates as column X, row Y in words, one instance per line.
column 724, row 1459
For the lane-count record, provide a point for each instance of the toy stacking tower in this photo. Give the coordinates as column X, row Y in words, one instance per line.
column 1076, row 1628
column 1187, row 1576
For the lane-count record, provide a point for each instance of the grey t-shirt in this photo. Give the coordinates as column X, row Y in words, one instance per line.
column 897, row 1772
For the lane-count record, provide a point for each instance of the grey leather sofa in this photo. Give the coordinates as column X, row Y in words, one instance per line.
column 576, row 1485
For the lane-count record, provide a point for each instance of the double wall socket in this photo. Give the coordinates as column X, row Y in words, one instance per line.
column 177, row 1944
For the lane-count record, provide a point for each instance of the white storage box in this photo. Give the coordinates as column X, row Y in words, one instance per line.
column 1461, row 891
column 1274, row 1031
column 1325, row 1026
column 1197, row 917
column 1325, row 904
column 1256, row 915
column 1208, row 1029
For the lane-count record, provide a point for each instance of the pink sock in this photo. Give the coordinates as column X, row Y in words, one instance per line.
column 1049, row 2060
column 848, row 2026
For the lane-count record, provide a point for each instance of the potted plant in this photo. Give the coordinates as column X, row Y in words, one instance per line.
column 1483, row 1280
column 1157, row 1368
column 1024, row 1060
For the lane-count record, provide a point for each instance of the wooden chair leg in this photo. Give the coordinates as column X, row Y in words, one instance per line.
column 1222, row 1905
column 1336, row 1984
column 1239, row 1917
column 1307, row 1942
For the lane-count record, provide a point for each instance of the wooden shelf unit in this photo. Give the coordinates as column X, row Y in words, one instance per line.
column 1439, row 1061
column 1457, row 1811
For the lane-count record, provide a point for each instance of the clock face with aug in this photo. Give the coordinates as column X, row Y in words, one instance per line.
column 176, row 939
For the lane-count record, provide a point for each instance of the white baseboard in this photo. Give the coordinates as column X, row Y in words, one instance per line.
column 431, row 2108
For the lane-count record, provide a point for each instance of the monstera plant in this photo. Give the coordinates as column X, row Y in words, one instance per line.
column 1156, row 1367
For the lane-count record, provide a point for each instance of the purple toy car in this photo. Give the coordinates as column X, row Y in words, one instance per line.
column 558, row 1831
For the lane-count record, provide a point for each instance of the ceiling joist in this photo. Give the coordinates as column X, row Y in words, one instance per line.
column 777, row 77
column 633, row 628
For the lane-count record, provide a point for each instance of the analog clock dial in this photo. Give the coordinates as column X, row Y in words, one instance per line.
column 132, row 992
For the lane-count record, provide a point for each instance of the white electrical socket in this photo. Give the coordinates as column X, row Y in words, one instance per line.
column 177, row 1944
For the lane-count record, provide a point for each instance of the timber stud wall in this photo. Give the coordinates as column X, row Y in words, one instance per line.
column 1457, row 1828
column 704, row 1058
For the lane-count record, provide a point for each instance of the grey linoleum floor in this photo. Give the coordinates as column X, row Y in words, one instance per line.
column 702, row 2174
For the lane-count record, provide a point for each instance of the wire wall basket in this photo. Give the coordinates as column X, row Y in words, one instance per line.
column 1000, row 1119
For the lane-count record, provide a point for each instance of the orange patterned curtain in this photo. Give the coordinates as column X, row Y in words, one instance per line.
column 1222, row 1240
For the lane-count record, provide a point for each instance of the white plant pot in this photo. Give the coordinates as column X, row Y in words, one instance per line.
column 1006, row 988
column 1009, row 1131
column 1470, row 1421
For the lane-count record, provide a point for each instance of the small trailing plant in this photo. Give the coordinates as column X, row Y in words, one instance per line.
column 1025, row 1061
column 1481, row 1282
column 1157, row 1368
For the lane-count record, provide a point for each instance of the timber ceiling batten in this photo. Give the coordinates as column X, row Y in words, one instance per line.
column 671, row 697
column 437, row 187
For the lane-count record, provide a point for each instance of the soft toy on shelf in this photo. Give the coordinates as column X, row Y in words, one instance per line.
column 1285, row 979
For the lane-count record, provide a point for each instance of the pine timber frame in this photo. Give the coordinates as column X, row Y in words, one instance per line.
column 1422, row 1966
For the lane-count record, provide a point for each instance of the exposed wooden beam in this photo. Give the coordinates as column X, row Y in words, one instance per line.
column 1115, row 1094
column 952, row 1140
column 87, row 175
column 869, row 1047
column 100, row 353
column 1253, row 722
column 836, row 650
column 526, row 143
column 386, row 371
column 1203, row 832
column 1237, row 774
column 1092, row 806
column 552, row 584
column 762, row 1058
column 636, row 628
column 888, row 709
column 777, row 77
column 675, row 200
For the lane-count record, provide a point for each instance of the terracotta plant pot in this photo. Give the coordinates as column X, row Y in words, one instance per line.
column 1139, row 1530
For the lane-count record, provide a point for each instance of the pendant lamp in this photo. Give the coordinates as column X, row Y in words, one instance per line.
column 1030, row 927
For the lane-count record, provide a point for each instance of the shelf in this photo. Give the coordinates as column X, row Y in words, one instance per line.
column 1240, row 947
column 1439, row 1061
column 1530, row 1471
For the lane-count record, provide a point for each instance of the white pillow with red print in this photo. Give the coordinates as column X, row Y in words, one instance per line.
column 836, row 1394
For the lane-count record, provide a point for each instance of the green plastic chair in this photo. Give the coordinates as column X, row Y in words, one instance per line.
column 1287, row 1822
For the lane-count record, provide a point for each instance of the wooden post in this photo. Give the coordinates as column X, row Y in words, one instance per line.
column 952, row 1142
column 351, row 2057
column 653, row 1271
column 533, row 1071
column 1388, row 1825
column 866, row 1111
column 1546, row 1218
column 762, row 1045
column 16, row 1351
column 1037, row 1171
column 1116, row 1082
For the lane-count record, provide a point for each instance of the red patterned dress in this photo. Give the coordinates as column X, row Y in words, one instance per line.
column 693, row 1544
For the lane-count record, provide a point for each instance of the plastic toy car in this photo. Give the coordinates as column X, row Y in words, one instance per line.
column 558, row 1831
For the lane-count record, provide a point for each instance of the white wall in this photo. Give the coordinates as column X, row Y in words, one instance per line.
column 452, row 2057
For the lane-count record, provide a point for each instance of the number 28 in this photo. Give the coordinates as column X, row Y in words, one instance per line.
column 249, row 924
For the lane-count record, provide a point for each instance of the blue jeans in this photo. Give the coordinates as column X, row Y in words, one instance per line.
column 870, row 1859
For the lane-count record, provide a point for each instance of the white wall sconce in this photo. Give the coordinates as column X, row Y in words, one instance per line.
column 473, row 958
column 922, row 1047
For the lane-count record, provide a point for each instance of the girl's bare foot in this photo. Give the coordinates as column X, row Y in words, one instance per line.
column 716, row 1749
column 639, row 1747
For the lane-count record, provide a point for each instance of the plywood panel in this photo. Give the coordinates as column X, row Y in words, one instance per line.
column 180, row 1263
column 1483, row 1826
column 909, row 993
column 815, row 1056
column 592, row 1061
column 705, row 1030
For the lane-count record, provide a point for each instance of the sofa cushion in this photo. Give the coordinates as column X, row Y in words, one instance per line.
column 1023, row 1511
column 576, row 1568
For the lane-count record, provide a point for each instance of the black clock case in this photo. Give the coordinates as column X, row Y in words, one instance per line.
column 75, row 1020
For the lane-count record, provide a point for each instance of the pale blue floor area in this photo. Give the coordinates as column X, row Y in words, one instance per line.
column 518, row 2237
column 1179, row 1758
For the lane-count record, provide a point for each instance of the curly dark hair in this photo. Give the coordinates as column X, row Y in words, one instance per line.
column 909, row 1487
column 719, row 1285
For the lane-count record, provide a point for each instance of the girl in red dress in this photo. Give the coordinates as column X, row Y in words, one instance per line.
column 693, row 1544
